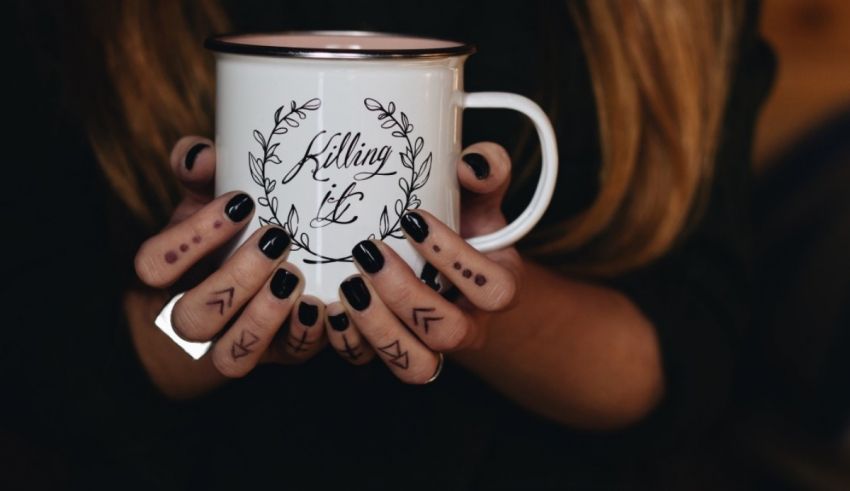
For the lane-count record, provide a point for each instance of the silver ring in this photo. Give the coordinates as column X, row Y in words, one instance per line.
column 438, row 370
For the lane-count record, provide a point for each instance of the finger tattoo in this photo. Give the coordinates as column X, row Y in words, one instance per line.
column 242, row 347
column 351, row 351
column 221, row 299
column 396, row 356
column 423, row 316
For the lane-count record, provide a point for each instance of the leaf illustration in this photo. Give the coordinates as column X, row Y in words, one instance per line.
column 389, row 123
column 292, row 219
column 272, row 148
column 312, row 104
column 414, row 202
column 305, row 240
column 273, row 159
column 384, row 222
column 404, row 185
column 259, row 137
column 281, row 130
column 277, row 115
column 256, row 168
column 423, row 173
column 262, row 200
column 263, row 221
column 396, row 234
column 382, row 116
column 371, row 236
column 292, row 122
column 398, row 207
column 270, row 185
column 294, row 246
column 274, row 205
column 372, row 104
column 408, row 129
column 398, row 134
column 405, row 160
column 391, row 107
column 417, row 146
column 404, row 120
column 292, row 106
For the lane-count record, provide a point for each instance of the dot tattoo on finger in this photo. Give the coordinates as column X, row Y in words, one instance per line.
column 467, row 273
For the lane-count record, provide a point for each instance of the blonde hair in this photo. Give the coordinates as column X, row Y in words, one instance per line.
column 660, row 72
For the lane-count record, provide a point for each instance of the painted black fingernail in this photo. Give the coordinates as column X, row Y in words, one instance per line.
column 274, row 242
column 283, row 283
column 479, row 165
column 367, row 255
column 239, row 207
column 192, row 154
column 356, row 293
column 415, row 226
column 307, row 314
column 339, row 322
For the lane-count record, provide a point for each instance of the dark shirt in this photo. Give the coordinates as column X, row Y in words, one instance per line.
column 78, row 394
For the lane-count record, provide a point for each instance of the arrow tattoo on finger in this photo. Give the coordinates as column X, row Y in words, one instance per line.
column 220, row 302
column 426, row 320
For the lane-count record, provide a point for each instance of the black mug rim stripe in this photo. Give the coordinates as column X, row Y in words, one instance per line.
column 219, row 43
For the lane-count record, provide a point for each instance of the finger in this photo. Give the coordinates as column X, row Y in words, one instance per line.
column 204, row 310
column 193, row 161
column 487, row 284
column 165, row 257
column 344, row 336
column 484, row 172
column 409, row 359
column 241, row 347
column 438, row 323
column 306, row 334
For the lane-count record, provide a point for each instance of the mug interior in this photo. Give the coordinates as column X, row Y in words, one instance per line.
column 337, row 44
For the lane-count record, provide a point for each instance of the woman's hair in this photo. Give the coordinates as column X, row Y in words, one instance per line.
column 660, row 72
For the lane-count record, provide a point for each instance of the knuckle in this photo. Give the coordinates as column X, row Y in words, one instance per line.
column 243, row 273
column 186, row 323
column 453, row 337
column 260, row 317
column 227, row 367
column 148, row 270
column 501, row 295
column 397, row 292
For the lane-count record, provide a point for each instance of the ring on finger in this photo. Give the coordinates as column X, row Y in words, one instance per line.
column 439, row 369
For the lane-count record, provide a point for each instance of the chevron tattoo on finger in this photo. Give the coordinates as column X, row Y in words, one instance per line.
column 222, row 298
column 423, row 316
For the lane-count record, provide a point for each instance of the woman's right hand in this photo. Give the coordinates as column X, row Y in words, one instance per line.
column 245, row 302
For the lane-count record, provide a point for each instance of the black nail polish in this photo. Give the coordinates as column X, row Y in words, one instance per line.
column 367, row 255
column 283, row 283
column 479, row 165
column 356, row 293
column 192, row 154
column 239, row 207
column 415, row 226
column 339, row 322
column 307, row 314
column 274, row 242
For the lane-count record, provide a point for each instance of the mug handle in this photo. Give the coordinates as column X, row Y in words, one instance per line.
column 529, row 217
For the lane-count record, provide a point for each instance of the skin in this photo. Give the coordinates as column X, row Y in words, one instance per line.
column 579, row 354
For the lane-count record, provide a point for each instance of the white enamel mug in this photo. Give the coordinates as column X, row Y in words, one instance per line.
column 337, row 134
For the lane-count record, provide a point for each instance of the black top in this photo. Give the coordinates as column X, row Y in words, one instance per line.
column 79, row 404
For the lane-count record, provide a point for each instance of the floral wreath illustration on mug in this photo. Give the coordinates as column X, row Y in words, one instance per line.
column 401, row 128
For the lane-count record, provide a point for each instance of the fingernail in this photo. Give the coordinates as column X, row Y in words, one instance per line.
column 274, row 242
column 367, row 255
column 415, row 226
column 479, row 165
column 192, row 154
column 239, row 207
column 308, row 313
column 356, row 293
column 283, row 283
column 339, row 322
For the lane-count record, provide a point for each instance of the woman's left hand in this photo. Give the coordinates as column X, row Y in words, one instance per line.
column 402, row 318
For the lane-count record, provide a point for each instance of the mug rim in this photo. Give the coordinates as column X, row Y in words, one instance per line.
column 222, row 43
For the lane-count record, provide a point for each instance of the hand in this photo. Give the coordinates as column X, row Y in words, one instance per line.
column 248, row 299
column 405, row 321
